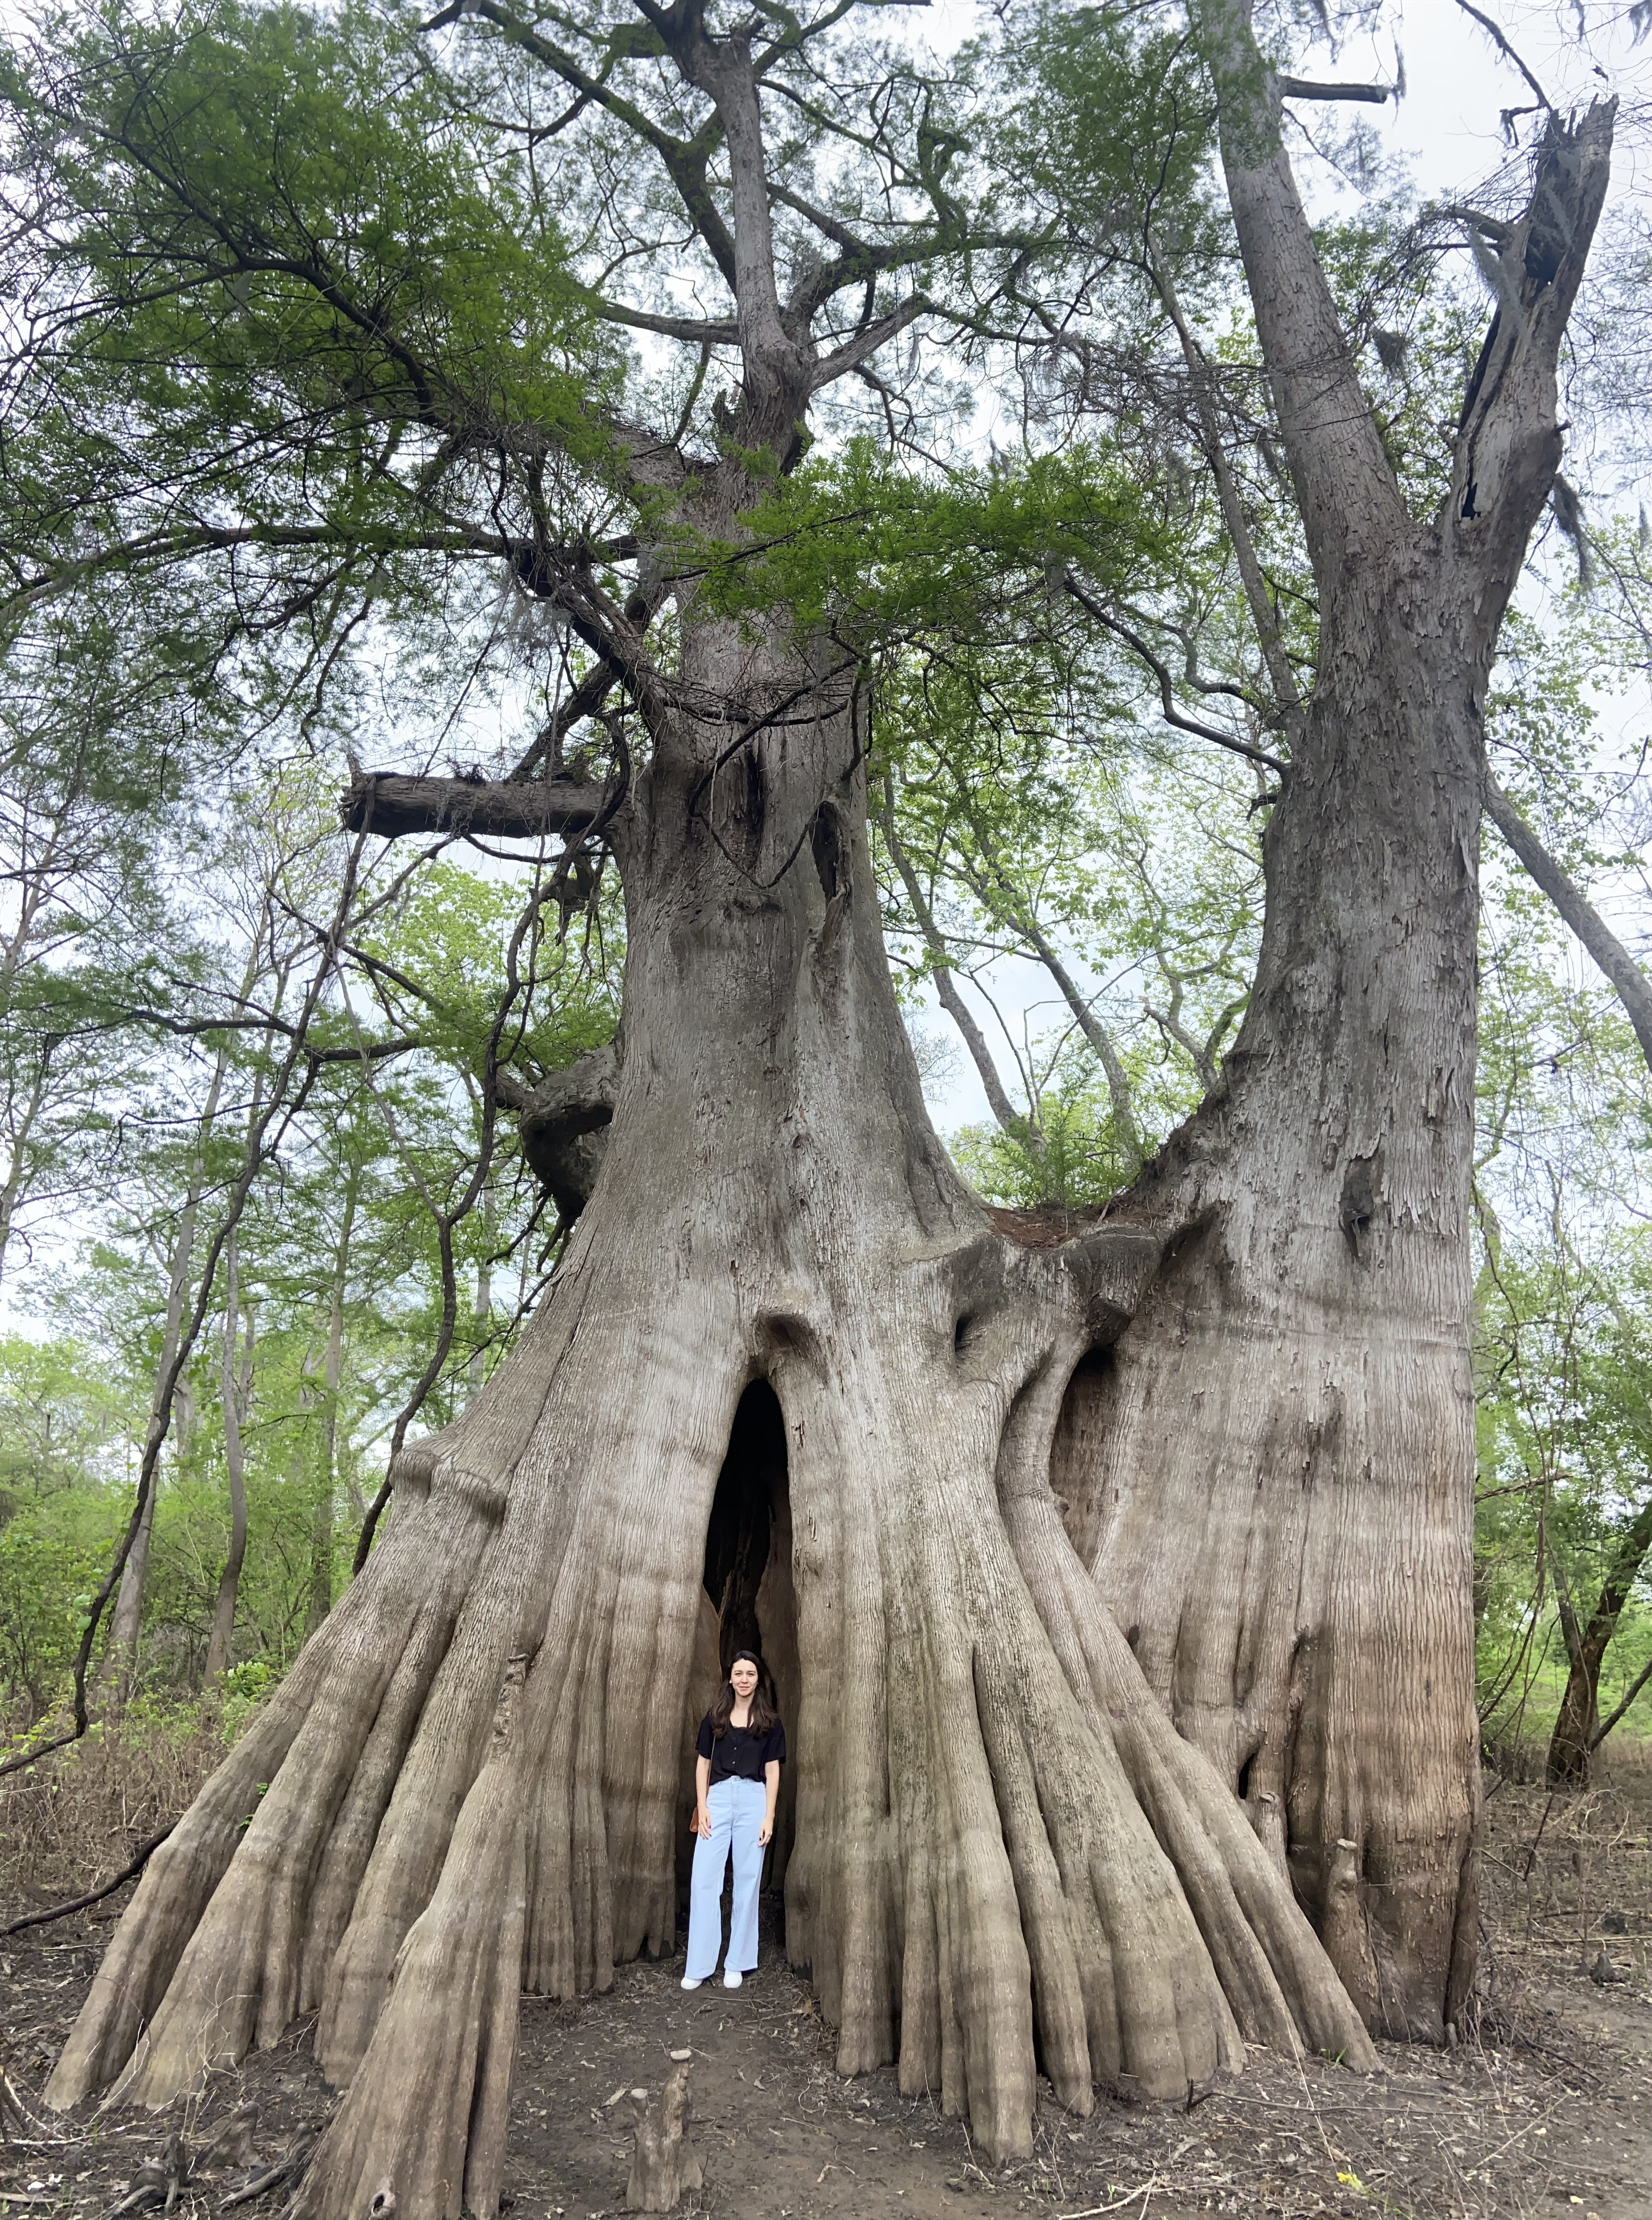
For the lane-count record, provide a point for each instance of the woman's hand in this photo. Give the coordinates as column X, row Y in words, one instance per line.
column 766, row 1831
column 700, row 1823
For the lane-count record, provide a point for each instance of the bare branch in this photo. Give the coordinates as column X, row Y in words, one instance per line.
column 1304, row 88
column 698, row 332
column 1609, row 954
column 946, row 986
column 866, row 344
column 1501, row 43
column 1168, row 710
column 392, row 806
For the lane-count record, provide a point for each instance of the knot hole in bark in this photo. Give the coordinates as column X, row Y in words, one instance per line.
column 829, row 845
column 1362, row 1184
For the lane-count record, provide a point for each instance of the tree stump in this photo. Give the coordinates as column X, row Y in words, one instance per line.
column 663, row 2166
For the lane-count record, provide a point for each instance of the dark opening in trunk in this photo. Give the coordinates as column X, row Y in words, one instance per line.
column 748, row 1577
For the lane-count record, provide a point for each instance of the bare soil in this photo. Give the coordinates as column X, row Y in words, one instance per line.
column 1547, row 2109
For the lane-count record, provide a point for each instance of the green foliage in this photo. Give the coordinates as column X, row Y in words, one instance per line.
column 62, row 1444
column 877, row 555
column 299, row 267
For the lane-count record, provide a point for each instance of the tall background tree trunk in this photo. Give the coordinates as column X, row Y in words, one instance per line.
column 221, row 1646
column 126, row 1620
column 1578, row 1721
column 1271, row 1475
column 320, row 1591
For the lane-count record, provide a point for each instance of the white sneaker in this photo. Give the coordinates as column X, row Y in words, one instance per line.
column 691, row 1980
column 732, row 1979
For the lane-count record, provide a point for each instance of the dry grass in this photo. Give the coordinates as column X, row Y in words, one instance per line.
column 73, row 1820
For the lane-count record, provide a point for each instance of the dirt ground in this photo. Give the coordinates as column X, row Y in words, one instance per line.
column 1546, row 2109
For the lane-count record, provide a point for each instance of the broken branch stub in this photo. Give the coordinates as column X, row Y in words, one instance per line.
column 663, row 2164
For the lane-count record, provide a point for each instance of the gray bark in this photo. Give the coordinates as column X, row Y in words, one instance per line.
column 772, row 1204
column 319, row 1599
column 1271, row 1476
column 564, row 1123
column 127, row 1618
column 1254, row 1379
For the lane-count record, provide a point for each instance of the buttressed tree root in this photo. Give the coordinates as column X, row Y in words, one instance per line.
column 1001, row 1858
column 1006, row 1857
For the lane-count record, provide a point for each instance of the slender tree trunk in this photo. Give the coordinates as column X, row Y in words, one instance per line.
column 320, row 1534
column 1020, row 1128
column 476, row 1770
column 11, row 960
column 221, row 1646
column 126, row 1619
column 17, row 1165
column 1576, row 1725
column 483, row 1310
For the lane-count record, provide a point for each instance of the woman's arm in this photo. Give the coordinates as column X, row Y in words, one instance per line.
column 701, row 1823
column 772, row 1782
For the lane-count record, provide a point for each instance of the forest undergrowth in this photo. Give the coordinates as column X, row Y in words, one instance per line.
column 1546, row 2104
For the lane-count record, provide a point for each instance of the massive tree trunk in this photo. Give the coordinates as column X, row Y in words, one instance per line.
column 1003, row 1857
column 1271, row 1473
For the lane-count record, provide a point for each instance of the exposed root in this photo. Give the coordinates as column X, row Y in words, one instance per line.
column 1005, row 1858
column 425, row 2117
column 1272, row 1968
column 973, row 1833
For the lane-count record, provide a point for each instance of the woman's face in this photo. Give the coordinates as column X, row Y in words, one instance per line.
column 744, row 1674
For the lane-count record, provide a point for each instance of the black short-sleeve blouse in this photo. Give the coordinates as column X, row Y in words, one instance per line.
column 739, row 1754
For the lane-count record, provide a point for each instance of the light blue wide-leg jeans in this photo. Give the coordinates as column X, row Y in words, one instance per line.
column 737, row 1808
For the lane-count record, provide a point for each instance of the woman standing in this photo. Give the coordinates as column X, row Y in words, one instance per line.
column 741, row 1747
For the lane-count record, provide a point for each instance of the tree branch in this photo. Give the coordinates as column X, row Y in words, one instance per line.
column 1509, row 438
column 1611, row 1718
column 1305, row 88
column 1608, row 953
column 393, row 806
column 696, row 331
column 867, row 343
column 1344, row 485
column 946, row 987
column 685, row 159
column 1171, row 715
column 1501, row 43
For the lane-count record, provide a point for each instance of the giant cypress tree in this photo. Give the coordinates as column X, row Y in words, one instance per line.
column 1270, row 1468
column 787, row 1353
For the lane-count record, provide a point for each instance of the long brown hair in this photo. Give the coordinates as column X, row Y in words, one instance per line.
column 762, row 1713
